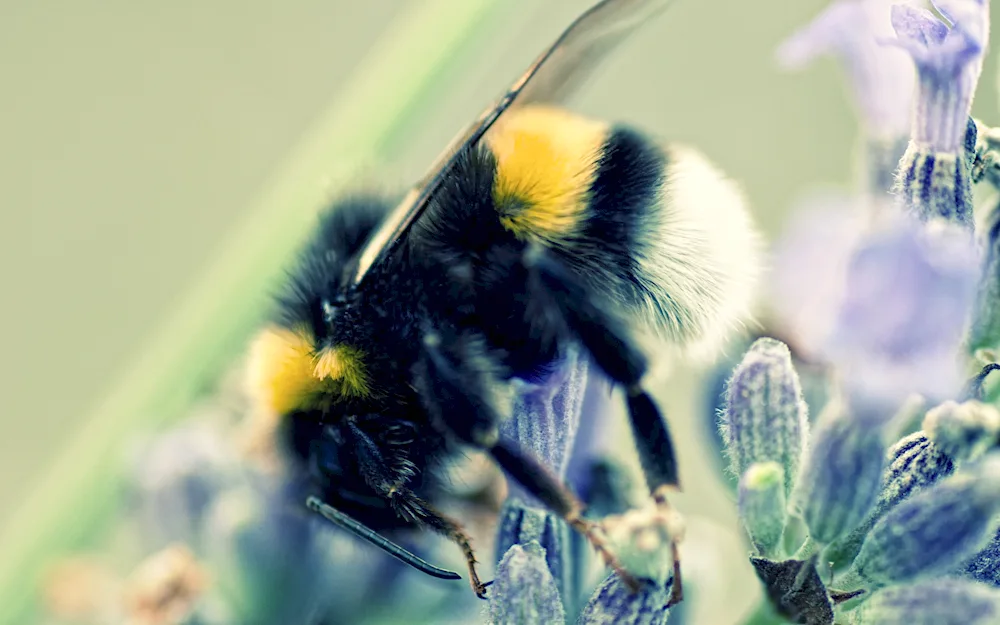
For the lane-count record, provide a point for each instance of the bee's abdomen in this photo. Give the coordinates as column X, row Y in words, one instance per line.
column 658, row 230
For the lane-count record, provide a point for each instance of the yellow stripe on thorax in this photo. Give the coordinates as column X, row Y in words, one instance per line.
column 546, row 161
column 286, row 372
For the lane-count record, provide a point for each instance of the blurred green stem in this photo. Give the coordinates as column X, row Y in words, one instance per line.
column 764, row 615
column 70, row 504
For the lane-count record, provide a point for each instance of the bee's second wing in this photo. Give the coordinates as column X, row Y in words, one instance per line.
column 555, row 74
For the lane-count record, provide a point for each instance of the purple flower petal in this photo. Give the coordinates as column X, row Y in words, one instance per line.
column 546, row 413
column 882, row 78
column 949, row 61
column 810, row 264
column 910, row 290
column 917, row 26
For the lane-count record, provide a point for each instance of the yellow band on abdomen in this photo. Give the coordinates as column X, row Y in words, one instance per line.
column 546, row 161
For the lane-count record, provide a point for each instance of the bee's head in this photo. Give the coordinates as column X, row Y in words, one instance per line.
column 308, row 360
column 297, row 364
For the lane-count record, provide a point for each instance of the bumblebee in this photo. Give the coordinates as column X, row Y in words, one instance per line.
column 537, row 231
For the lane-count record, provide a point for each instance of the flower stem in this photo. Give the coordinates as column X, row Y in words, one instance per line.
column 70, row 504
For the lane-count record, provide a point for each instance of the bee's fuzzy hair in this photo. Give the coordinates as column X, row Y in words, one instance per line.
column 699, row 254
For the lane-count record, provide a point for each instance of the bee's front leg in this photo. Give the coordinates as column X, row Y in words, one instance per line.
column 455, row 393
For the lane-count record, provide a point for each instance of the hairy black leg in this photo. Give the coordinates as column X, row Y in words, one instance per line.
column 390, row 483
column 322, row 462
column 606, row 338
column 408, row 505
column 541, row 483
column 451, row 378
column 455, row 394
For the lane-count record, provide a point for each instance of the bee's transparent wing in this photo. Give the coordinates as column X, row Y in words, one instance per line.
column 555, row 74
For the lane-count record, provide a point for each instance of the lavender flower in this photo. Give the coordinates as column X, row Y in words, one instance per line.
column 900, row 326
column 882, row 79
column 524, row 590
column 985, row 565
column 521, row 524
column 544, row 420
column 811, row 262
column 176, row 477
column 983, row 341
column 613, row 604
column 964, row 431
column 644, row 539
column 937, row 184
column 765, row 416
column 934, row 175
column 913, row 463
column 840, row 481
column 933, row 602
column 546, row 414
column 949, row 61
column 536, row 569
column 934, row 530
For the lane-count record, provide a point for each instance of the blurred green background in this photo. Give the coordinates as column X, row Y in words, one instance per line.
column 135, row 135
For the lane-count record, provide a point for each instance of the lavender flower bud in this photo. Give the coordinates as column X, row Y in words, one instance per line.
column 933, row 602
column 177, row 475
column 762, row 505
column 521, row 524
column 613, row 603
column 934, row 530
column 524, row 590
column 983, row 340
column 985, row 565
column 964, row 431
column 841, row 479
column 644, row 537
column 913, row 464
column 765, row 419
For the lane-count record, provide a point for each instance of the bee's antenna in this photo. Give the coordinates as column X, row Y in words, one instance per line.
column 340, row 519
